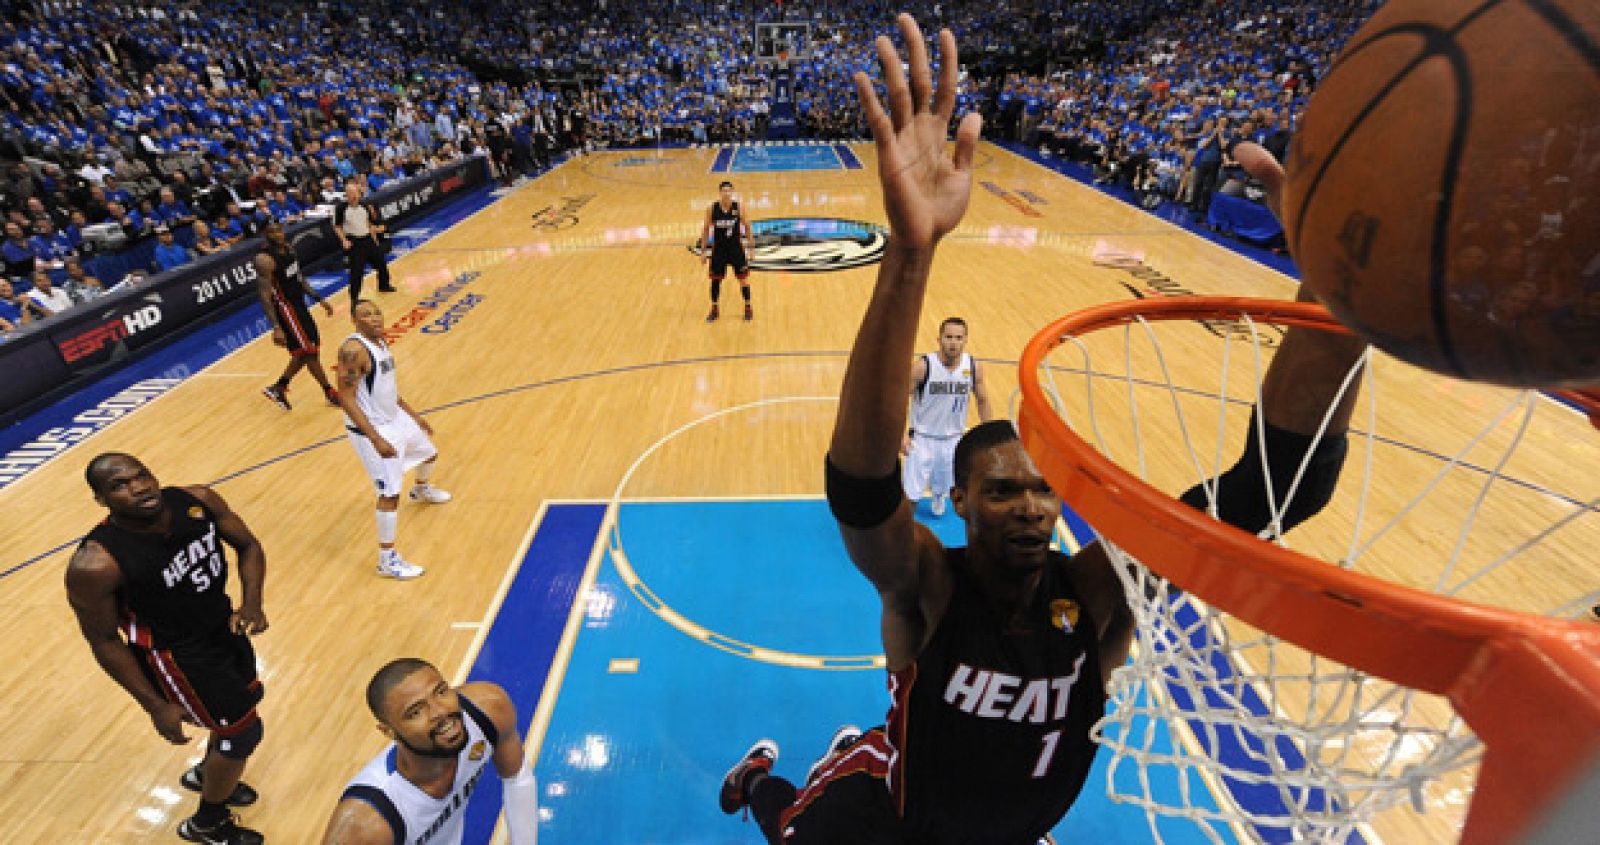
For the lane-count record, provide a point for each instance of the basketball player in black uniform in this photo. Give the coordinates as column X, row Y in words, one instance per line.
column 149, row 587
column 997, row 653
column 722, row 242
column 283, row 290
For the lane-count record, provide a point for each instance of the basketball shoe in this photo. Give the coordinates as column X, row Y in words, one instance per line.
column 392, row 565
column 243, row 795
column 278, row 395
column 843, row 738
column 749, row 313
column 715, row 313
column 227, row 832
column 759, row 758
column 430, row 494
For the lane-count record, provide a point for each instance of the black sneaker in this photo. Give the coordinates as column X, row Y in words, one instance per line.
column 760, row 757
column 278, row 395
column 243, row 794
column 843, row 738
column 748, row 313
column 227, row 832
column 715, row 313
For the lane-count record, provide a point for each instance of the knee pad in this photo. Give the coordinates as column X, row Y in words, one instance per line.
column 241, row 743
column 1242, row 494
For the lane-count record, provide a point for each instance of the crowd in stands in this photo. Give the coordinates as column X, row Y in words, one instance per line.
column 191, row 123
column 1160, row 111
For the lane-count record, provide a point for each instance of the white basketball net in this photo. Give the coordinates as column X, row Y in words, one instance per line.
column 1210, row 709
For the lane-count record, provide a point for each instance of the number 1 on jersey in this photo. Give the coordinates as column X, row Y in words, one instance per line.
column 1041, row 768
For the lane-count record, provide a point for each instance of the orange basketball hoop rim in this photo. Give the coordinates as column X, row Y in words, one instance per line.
column 1528, row 686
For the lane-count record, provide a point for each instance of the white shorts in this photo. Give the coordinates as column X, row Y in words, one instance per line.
column 411, row 445
column 930, row 465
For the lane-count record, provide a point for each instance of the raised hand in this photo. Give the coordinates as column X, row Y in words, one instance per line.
column 925, row 191
column 1259, row 163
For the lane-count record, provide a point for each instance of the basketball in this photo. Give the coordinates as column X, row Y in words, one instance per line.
column 1442, row 195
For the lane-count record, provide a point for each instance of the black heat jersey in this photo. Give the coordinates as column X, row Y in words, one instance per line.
column 725, row 231
column 990, row 725
column 301, row 335
column 174, row 585
column 287, row 286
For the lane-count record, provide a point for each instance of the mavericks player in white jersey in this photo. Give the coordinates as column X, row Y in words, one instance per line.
column 941, row 384
column 415, row 791
column 389, row 437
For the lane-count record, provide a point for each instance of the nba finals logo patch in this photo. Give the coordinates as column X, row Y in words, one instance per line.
column 477, row 751
column 1064, row 615
column 196, row 512
column 813, row 244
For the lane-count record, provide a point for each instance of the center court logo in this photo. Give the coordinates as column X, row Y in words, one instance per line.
column 814, row 244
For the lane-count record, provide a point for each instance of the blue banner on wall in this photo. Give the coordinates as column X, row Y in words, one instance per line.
column 81, row 344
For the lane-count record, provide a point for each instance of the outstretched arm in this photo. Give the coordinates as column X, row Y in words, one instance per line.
column 925, row 194
column 308, row 290
column 1310, row 365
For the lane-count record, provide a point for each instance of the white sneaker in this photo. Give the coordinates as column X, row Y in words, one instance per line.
column 392, row 565
column 430, row 494
column 843, row 738
column 938, row 505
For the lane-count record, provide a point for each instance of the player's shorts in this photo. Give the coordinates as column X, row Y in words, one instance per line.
column 213, row 680
column 722, row 259
column 411, row 444
column 848, row 802
column 299, row 330
column 930, row 465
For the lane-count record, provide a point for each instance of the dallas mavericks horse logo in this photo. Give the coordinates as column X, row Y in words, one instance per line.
column 815, row 244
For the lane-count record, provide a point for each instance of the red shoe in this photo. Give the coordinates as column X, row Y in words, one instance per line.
column 712, row 317
column 759, row 758
column 331, row 395
column 748, row 313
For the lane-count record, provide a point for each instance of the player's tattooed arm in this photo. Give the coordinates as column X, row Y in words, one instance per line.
column 354, row 364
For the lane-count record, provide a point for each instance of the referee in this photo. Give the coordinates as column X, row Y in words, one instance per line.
column 358, row 226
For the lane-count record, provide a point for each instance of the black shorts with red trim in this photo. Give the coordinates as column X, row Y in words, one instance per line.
column 849, row 801
column 300, row 333
column 213, row 680
column 722, row 259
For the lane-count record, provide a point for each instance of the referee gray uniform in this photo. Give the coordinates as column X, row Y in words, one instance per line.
column 356, row 222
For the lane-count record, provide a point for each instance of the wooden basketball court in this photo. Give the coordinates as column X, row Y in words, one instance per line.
column 584, row 343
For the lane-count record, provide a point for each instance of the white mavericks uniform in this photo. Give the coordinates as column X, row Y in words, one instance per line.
column 378, row 396
column 416, row 817
column 938, row 419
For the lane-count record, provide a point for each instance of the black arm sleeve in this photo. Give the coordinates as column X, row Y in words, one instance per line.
column 863, row 502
